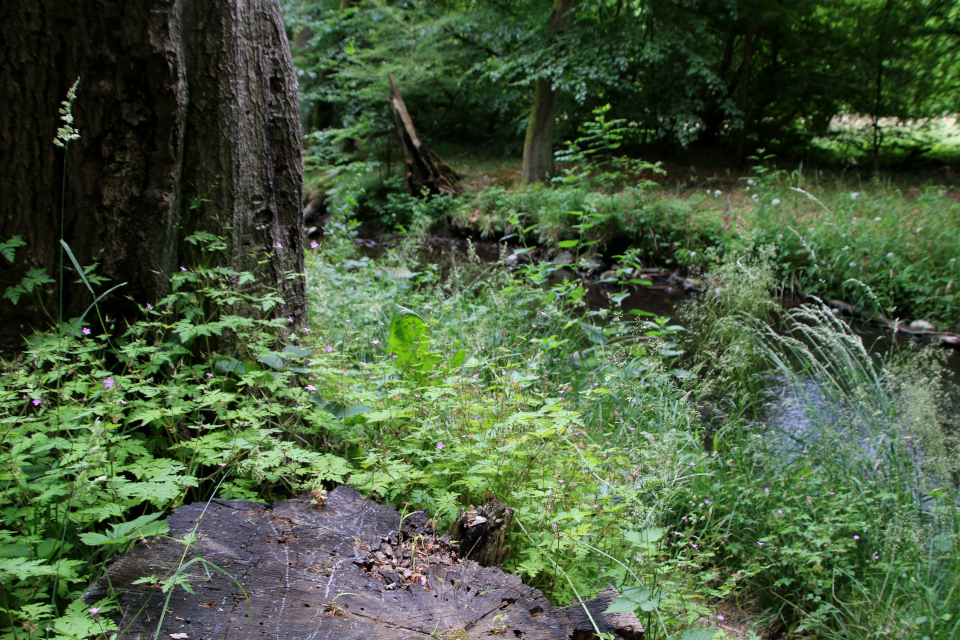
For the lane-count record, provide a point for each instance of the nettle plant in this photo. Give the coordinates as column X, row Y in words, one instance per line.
column 493, row 382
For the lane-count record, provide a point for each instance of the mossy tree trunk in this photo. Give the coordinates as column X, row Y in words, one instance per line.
column 538, row 144
column 187, row 113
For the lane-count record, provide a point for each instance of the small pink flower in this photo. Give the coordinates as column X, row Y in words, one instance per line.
column 306, row 329
column 329, row 349
column 314, row 245
column 221, row 464
column 209, row 375
column 279, row 246
column 779, row 510
column 856, row 537
column 761, row 543
column 439, row 445
column 310, row 387
column 290, row 319
column 149, row 307
column 123, row 402
column 85, row 331
column 94, row 611
column 108, row 383
column 720, row 617
column 37, row 402
column 375, row 342
column 183, row 268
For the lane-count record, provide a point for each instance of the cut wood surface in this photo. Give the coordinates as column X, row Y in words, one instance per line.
column 347, row 570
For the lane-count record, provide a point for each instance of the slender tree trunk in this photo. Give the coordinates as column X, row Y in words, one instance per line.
column 743, row 95
column 538, row 144
column 187, row 113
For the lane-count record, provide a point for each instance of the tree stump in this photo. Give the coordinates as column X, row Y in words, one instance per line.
column 425, row 170
column 482, row 533
column 347, row 570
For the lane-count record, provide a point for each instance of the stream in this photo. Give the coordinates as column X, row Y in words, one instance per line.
column 662, row 297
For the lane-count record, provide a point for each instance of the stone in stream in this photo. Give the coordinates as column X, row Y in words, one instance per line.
column 921, row 325
column 349, row 569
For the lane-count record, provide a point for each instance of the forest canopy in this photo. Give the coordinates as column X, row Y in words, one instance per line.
column 740, row 75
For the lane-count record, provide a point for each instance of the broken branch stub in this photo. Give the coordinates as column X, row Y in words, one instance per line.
column 482, row 533
column 425, row 170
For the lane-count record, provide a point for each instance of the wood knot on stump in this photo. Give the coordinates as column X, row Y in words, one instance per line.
column 349, row 569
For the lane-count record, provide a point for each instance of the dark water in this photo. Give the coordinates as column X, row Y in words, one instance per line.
column 662, row 297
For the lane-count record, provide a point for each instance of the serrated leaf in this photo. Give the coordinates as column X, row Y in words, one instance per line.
column 229, row 365
column 457, row 360
column 621, row 605
column 645, row 538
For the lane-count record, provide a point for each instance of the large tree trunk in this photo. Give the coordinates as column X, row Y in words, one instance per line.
column 187, row 113
column 538, row 144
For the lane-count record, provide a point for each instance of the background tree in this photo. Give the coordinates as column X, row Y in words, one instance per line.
column 188, row 122
column 538, row 144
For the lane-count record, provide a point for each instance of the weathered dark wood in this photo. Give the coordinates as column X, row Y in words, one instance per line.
column 482, row 533
column 187, row 112
column 348, row 570
column 425, row 170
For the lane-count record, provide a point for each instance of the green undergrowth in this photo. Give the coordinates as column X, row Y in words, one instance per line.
column 637, row 453
column 892, row 252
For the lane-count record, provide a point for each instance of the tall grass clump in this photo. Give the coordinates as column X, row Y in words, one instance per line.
column 839, row 498
column 892, row 251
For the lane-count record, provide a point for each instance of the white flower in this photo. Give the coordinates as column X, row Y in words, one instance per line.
column 708, row 191
column 877, row 219
column 755, row 198
column 775, row 202
column 751, row 182
column 717, row 193
column 890, row 254
column 919, row 229
column 854, row 195
column 846, row 248
column 693, row 254
column 853, row 264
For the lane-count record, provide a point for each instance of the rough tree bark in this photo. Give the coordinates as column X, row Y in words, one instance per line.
column 187, row 113
column 482, row 533
column 349, row 570
column 538, row 144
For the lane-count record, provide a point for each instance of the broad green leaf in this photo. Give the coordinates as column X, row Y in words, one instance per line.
column 646, row 537
column 457, row 360
column 566, row 244
column 621, row 605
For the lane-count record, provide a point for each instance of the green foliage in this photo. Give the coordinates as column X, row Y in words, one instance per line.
column 100, row 436
column 657, row 227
